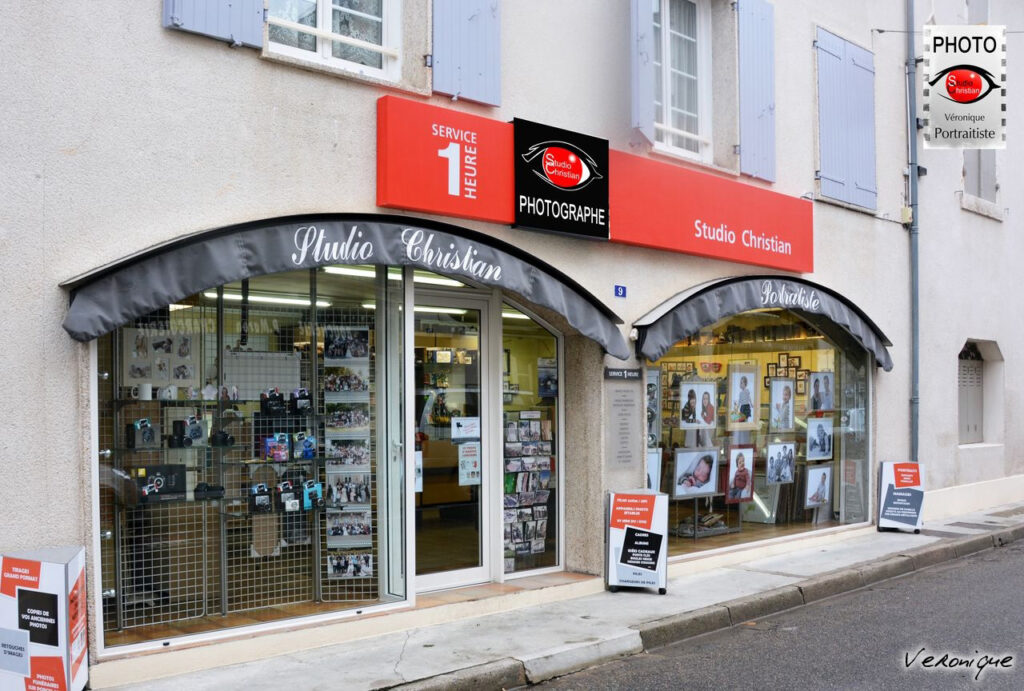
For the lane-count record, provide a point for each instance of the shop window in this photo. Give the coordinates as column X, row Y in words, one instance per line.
column 251, row 431
column 530, row 390
column 682, row 81
column 758, row 427
column 355, row 35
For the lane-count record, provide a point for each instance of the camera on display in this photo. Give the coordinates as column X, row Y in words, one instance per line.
column 259, row 499
column 222, row 438
column 312, row 495
column 304, row 445
column 142, row 434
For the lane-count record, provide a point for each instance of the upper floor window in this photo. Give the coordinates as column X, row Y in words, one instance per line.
column 682, row 82
column 353, row 35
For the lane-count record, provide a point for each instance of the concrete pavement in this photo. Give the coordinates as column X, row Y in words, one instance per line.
column 534, row 643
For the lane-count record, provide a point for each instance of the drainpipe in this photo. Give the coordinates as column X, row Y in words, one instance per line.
column 915, row 326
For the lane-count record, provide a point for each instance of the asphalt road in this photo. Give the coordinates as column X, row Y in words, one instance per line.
column 970, row 609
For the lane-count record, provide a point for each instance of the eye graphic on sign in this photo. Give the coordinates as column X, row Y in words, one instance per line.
column 965, row 83
column 562, row 165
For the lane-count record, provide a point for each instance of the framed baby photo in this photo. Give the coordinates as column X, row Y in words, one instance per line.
column 740, row 487
column 819, row 486
column 819, row 439
column 697, row 406
column 781, row 407
column 744, row 396
column 696, row 473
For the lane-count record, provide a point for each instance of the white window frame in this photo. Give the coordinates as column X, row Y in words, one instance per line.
column 390, row 70
column 661, row 113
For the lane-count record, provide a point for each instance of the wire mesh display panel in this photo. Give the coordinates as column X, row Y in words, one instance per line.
column 241, row 472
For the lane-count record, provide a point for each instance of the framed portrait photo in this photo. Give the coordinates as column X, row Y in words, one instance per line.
column 696, row 473
column 780, row 463
column 801, row 387
column 773, row 369
column 819, row 439
column 744, row 396
column 819, row 486
column 698, row 409
column 795, row 361
column 819, row 395
column 783, row 359
column 740, row 487
column 780, row 409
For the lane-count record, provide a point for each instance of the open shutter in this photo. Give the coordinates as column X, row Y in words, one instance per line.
column 641, row 61
column 467, row 50
column 239, row 22
column 832, row 164
column 757, row 88
column 860, row 136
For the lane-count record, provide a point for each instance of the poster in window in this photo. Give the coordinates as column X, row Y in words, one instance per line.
column 347, row 488
column 696, row 473
column 347, row 382
column 740, row 486
column 348, row 454
column 781, row 407
column 347, row 419
column 744, row 396
column 349, row 528
column 345, row 344
column 819, row 439
column 341, row 565
column 819, row 486
column 820, row 396
column 697, row 401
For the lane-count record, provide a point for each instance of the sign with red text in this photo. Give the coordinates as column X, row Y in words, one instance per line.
column 43, row 639
column 443, row 161
column 637, row 539
column 664, row 206
column 901, row 497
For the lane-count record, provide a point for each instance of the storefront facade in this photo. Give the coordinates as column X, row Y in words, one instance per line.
column 311, row 350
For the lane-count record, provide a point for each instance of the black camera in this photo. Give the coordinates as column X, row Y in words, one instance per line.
column 272, row 404
column 204, row 490
column 222, row 438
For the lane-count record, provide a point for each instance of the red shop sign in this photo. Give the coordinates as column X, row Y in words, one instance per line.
column 443, row 161
column 667, row 207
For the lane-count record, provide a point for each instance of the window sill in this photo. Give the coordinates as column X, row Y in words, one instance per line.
column 979, row 445
column 330, row 70
column 851, row 207
column 982, row 207
column 662, row 151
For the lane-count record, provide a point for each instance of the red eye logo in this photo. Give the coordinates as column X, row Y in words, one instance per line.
column 965, row 83
column 562, row 165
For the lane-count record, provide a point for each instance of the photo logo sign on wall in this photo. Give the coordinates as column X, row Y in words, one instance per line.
column 965, row 87
column 561, row 182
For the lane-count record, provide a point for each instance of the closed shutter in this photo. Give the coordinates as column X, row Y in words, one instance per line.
column 846, row 121
column 970, row 401
column 757, row 88
column 239, row 22
column 467, row 50
column 641, row 61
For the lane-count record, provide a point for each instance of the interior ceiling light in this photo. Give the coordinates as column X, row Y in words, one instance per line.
column 421, row 308
column 392, row 275
column 268, row 299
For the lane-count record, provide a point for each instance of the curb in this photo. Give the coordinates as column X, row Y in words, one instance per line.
column 510, row 673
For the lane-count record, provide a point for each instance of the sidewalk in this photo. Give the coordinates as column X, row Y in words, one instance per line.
column 535, row 643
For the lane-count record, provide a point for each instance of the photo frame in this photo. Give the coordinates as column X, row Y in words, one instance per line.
column 698, row 409
column 781, row 408
column 349, row 528
column 695, row 473
column 767, row 382
column 801, row 387
column 795, row 361
column 739, row 487
column 819, row 439
column 342, row 565
column 773, row 369
column 801, row 374
column 744, row 402
column 819, row 486
column 783, row 359
column 780, row 463
column 507, row 371
column 821, row 394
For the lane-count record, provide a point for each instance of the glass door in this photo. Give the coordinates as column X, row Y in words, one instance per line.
column 451, row 441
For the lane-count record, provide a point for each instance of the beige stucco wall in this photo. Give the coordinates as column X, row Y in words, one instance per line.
column 121, row 135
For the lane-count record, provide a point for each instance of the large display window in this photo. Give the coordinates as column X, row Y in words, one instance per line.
column 757, row 428
column 252, row 468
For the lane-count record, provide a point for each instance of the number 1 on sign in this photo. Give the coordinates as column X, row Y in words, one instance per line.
column 453, row 152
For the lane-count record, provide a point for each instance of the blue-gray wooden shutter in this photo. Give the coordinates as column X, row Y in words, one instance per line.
column 467, row 50
column 846, row 121
column 757, row 88
column 641, row 61
column 239, row 22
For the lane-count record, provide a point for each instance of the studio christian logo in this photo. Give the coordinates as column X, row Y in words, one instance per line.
column 562, row 165
column 561, row 180
column 964, row 93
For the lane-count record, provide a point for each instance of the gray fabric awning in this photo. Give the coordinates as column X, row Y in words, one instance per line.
column 688, row 312
column 111, row 297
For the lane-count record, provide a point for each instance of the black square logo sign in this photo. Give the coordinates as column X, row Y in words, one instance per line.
column 37, row 614
column 561, row 180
